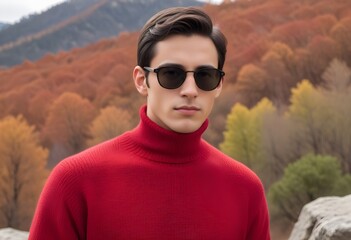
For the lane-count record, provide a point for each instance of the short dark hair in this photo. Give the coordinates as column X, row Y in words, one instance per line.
column 178, row 21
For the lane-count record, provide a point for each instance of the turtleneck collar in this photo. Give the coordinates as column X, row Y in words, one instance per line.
column 155, row 143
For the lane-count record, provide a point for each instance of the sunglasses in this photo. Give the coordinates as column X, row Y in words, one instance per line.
column 172, row 77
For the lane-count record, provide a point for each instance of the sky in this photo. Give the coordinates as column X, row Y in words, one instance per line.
column 12, row 11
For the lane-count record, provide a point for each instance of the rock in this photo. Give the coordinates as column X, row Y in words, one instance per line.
column 326, row 218
column 13, row 234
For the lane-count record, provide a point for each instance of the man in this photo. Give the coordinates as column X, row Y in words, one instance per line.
column 160, row 180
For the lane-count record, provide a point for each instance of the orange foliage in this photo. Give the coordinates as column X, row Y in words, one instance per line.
column 22, row 172
column 322, row 51
column 335, row 7
column 252, row 82
column 68, row 121
column 324, row 23
column 305, row 12
column 39, row 107
column 295, row 34
column 341, row 32
column 315, row 31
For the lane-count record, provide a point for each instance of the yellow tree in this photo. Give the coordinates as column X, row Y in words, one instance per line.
column 308, row 113
column 318, row 121
column 22, row 172
column 237, row 142
column 243, row 135
column 110, row 123
column 68, row 122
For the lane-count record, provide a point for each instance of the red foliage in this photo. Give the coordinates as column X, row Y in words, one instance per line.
column 315, row 31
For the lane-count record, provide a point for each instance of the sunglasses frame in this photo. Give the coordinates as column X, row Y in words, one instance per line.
column 157, row 70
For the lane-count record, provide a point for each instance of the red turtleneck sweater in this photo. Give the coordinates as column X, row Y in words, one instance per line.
column 151, row 183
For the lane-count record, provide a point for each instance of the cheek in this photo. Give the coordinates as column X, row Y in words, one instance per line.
column 158, row 97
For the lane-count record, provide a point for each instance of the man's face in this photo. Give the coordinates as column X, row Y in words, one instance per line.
column 183, row 109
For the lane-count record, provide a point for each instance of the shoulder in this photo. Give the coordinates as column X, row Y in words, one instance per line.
column 234, row 170
column 92, row 159
column 97, row 154
column 242, row 179
column 74, row 172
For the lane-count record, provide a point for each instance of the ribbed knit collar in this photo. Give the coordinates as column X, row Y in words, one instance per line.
column 155, row 143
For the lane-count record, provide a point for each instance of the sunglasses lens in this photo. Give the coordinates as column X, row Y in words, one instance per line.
column 207, row 79
column 171, row 77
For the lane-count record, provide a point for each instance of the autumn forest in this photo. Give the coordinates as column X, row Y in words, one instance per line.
column 284, row 110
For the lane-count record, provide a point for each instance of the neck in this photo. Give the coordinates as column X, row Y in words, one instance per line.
column 158, row 144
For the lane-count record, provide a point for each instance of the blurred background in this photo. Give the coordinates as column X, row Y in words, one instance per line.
column 285, row 110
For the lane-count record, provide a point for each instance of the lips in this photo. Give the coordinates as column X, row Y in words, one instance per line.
column 187, row 110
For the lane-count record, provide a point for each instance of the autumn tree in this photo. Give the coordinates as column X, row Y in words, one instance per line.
column 110, row 123
column 307, row 111
column 22, row 172
column 261, row 113
column 341, row 32
column 251, row 84
column 304, row 12
column 294, row 33
column 86, row 88
column 321, row 121
column 301, row 129
column 280, row 146
column 322, row 49
column 68, row 122
column 237, row 135
column 243, row 134
column 337, row 133
column 337, row 100
column 39, row 107
column 279, row 64
column 305, row 180
column 337, row 76
column 59, row 78
column 324, row 23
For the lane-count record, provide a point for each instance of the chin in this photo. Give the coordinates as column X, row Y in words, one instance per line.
column 186, row 128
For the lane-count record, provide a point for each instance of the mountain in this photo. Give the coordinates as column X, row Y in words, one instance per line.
column 3, row 25
column 76, row 23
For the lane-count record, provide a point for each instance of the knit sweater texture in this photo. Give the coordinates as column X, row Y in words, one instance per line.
column 151, row 183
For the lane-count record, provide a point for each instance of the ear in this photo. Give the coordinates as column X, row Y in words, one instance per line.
column 219, row 89
column 140, row 80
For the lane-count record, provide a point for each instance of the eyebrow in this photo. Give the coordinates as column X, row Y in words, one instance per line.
column 182, row 67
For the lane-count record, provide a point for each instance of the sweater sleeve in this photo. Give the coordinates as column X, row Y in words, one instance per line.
column 259, row 217
column 60, row 211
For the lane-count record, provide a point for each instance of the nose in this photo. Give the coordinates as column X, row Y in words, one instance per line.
column 189, row 88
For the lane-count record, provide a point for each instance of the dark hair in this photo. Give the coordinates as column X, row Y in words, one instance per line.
column 178, row 21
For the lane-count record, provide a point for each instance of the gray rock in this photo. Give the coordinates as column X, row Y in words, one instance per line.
column 13, row 234
column 326, row 218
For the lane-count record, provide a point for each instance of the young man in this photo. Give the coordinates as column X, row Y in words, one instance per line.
column 161, row 180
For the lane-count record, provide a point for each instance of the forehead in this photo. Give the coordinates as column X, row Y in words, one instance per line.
column 189, row 51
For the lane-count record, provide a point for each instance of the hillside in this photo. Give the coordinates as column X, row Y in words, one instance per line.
column 272, row 46
column 75, row 23
column 3, row 25
column 286, row 94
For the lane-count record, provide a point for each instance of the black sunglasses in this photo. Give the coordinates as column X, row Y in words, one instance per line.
column 172, row 77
